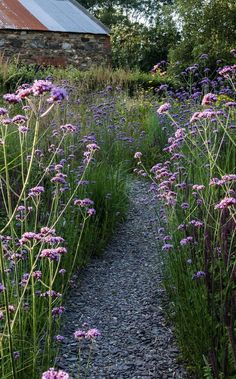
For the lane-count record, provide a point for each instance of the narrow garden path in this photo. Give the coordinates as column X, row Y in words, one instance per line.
column 121, row 294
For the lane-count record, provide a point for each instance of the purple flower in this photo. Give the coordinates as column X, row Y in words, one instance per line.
column 138, row 155
column 58, row 311
column 196, row 223
column 199, row 274
column 1, row 315
column 231, row 104
column 41, row 86
column 79, row 335
column 23, row 129
column 53, row 254
column 226, row 202
column 57, row 95
column 16, row 354
column 184, row 205
column 198, row 187
column 3, row 111
column 84, row 203
column 68, row 128
column 92, row 334
column 11, row 308
column 181, row 227
column 186, row 241
column 19, row 119
column 29, row 236
column 228, row 178
column 164, row 108
column 53, row 374
column 12, row 98
column 60, row 178
column 62, row 271
column 51, row 293
column 209, row 99
column 46, row 230
column 25, row 280
column 37, row 275
column 227, row 71
column 23, row 93
column 91, row 212
column 36, row 191
column 50, row 254
column 92, row 147
column 2, row 288
column 59, row 338
column 167, row 246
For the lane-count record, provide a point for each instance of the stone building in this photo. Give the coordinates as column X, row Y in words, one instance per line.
column 53, row 32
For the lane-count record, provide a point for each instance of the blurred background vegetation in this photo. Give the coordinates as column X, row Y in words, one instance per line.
column 148, row 31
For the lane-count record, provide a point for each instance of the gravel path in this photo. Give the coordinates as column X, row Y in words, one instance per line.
column 121, row 294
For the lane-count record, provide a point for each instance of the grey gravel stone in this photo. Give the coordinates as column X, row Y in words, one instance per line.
column 121, row 294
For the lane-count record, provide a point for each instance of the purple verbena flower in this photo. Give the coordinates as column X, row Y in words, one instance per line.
column 59, row 338
column 92, row 147
column 12, row 98
column 226, row 202
column 58, row 311
column 36, row 191
column 2, row 288
column 37, row 275
column 92, row 334
column 199, row 274
column 62, row 271
column 57, row 95
column 39, row 87
column 167, row 247
column 68, row 128
column 19, row 119
column 84, row 203
column 209, row 99
column 53, row 374
column 16, row 354
column 138, row 155
column 3, row 111
column 91, row 212
column 164, row 108
column 79, row 335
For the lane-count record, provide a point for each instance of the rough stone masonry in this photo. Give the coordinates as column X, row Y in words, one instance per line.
column 56, row 48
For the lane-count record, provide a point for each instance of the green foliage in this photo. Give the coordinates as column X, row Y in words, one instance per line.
column 121, row 126
column 145, row 32
column 14, row 74
column 207, row 27
column 141, row 46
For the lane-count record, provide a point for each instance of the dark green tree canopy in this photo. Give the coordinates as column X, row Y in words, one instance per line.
column 146, row 31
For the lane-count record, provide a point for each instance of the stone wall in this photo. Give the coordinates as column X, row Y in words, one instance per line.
column 56, row 48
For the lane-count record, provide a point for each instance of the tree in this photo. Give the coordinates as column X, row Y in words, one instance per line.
column 141, row 46
column 134, row 9
column 208, row 26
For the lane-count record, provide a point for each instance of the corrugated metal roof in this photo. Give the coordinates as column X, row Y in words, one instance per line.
column 13, row 15
column 51, row 15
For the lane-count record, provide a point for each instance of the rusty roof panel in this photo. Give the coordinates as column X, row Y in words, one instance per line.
column 52, row 15
column 64, row 16
column 13, row 15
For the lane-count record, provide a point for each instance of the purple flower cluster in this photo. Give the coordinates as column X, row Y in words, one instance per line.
column 53, row 374
column 91, row 334
column 164, row 108
column 209, row 99
column 36, row 191
column 53, row 254
column 226, row 203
